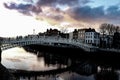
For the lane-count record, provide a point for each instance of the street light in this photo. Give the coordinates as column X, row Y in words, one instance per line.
column 34, row 31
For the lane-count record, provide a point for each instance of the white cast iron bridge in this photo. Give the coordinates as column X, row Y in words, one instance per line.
column 49, row 41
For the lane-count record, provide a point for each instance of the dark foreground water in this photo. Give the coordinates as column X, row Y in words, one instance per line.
column 57, row 65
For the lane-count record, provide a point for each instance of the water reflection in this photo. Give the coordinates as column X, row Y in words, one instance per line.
column 18, row 58
column 107, row 75
column 52, row 66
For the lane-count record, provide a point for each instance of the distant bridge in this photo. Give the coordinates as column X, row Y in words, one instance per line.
column 50, row 41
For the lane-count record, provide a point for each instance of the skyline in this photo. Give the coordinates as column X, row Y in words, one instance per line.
column 17, row 15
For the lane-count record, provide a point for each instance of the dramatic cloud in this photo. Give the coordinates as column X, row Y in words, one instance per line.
column 53, row 12
column 62, row 2
column 35, row 7
column 86, row 12
column 113, row 12
column 24, row 8
column 96, row 14
column 72, row 12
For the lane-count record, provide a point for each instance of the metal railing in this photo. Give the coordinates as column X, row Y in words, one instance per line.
column 6, row 44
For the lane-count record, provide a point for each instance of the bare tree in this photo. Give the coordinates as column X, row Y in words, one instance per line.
column 102, row 28
column 108, row 29
column 111, row 29
column 63, row 29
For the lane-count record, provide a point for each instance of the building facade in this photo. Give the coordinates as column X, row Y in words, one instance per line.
column 106, row 41
column 81, row 35
column 92, row 37
column 88, row 36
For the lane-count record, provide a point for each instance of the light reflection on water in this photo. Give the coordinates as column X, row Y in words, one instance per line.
column 18, row 58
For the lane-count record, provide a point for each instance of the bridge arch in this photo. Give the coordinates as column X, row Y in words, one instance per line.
column 46, row 41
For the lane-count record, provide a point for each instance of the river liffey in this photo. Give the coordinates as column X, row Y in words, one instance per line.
column 50, row 66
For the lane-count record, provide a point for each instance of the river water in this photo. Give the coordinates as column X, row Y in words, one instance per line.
column 20, row 59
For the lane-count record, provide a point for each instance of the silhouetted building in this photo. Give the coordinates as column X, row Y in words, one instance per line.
column 88, row 36
column 41, row 34
column 106, row 41
column 81, row 35
column 75, row 34
column 64, row 35
column 116, row 40
column 52, row 32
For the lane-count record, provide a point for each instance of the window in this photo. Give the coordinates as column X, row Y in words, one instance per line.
column 94, row 41
column 94, row 36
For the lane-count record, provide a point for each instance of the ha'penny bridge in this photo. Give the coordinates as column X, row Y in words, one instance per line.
column 48, row 41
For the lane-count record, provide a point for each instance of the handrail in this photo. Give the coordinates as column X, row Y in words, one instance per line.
column 41, row 40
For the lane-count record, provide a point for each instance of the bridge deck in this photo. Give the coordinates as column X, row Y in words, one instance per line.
column 46, row 41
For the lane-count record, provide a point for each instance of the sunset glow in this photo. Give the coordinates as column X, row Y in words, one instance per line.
column 20, row 17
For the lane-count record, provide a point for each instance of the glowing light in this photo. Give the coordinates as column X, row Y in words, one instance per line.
column 13, row 23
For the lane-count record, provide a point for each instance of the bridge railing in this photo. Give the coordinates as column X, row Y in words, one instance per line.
column 42, row 40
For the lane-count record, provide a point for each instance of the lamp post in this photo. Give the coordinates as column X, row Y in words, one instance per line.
column 33, row 31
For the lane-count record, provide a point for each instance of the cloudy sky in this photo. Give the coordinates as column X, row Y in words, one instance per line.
column 20, row 17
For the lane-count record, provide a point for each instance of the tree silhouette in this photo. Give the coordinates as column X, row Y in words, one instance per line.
column 102, row 28
column 108, row 29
